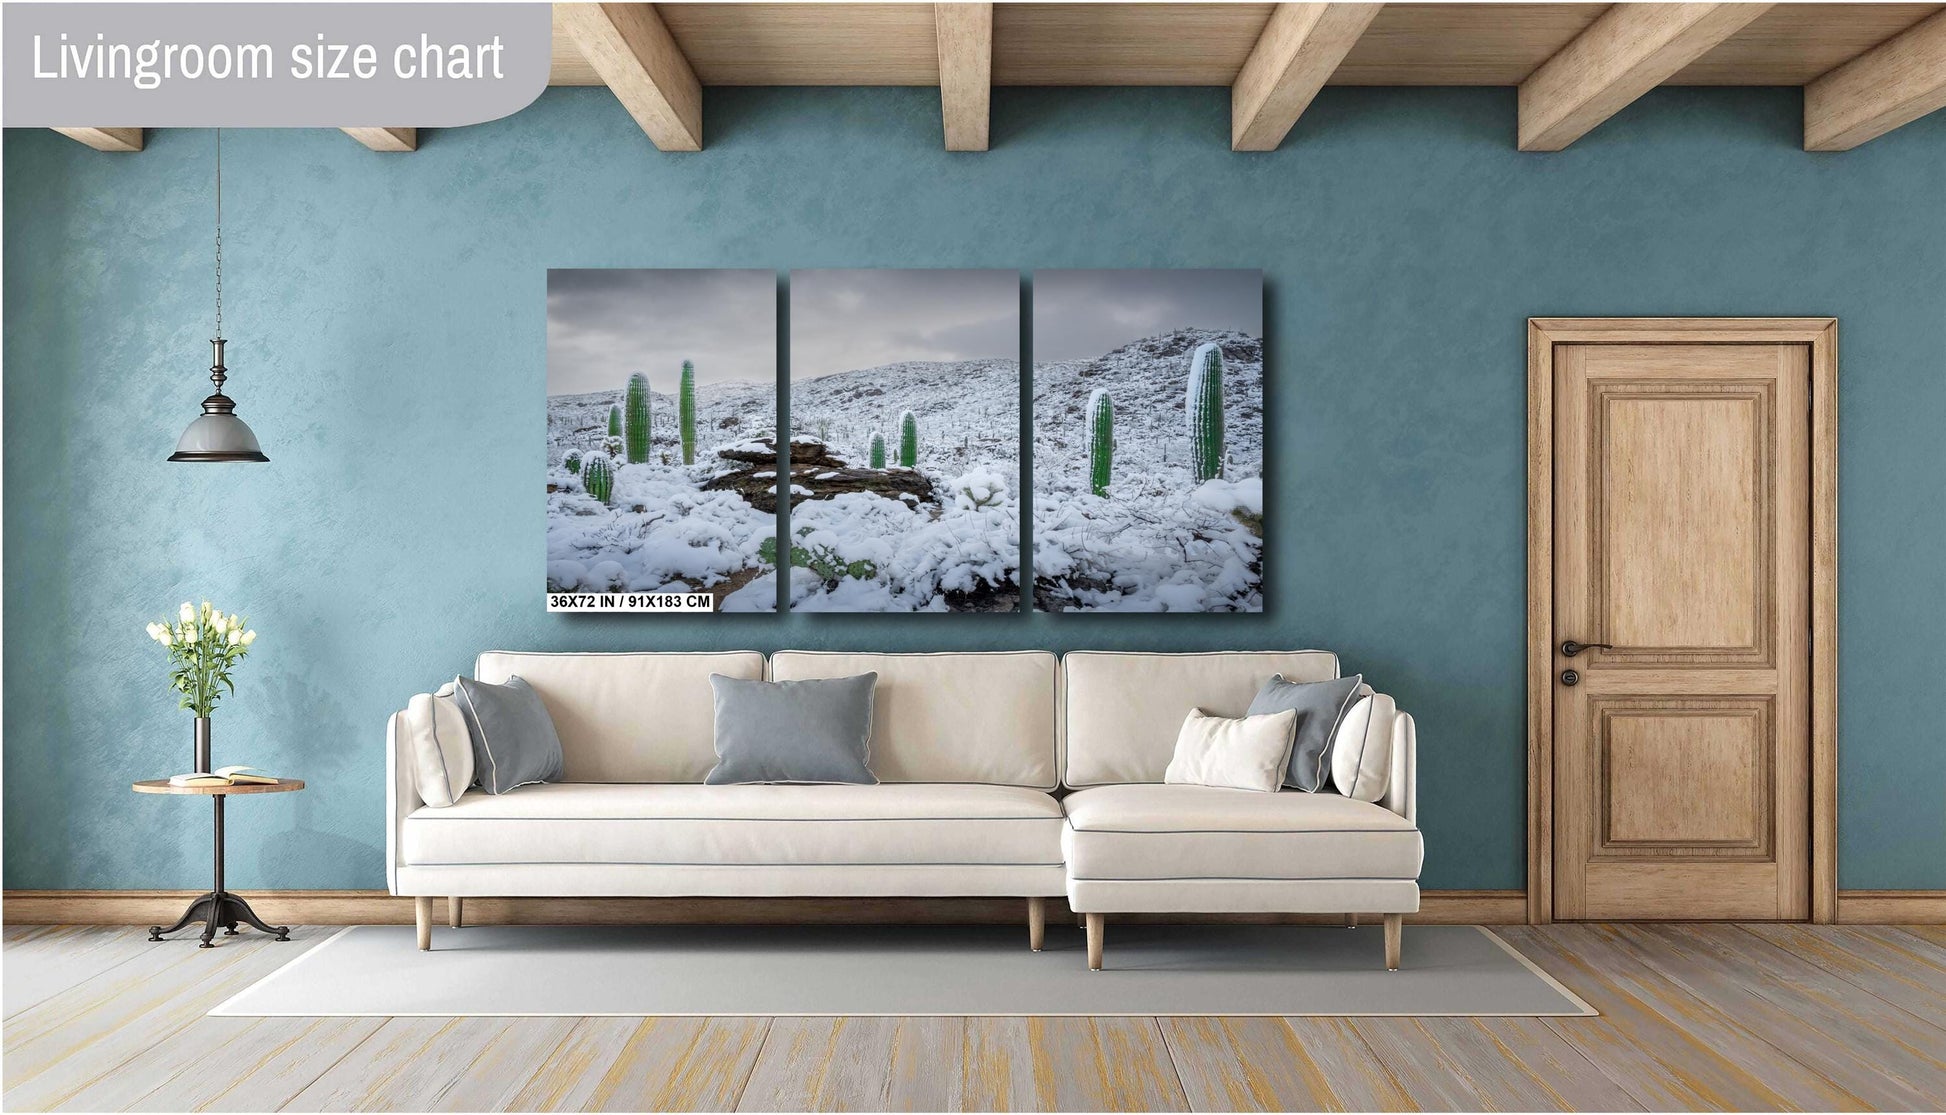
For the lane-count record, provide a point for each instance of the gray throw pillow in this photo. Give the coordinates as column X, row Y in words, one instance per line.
column 1319, row 706
column 514, row 742
column 793, row 731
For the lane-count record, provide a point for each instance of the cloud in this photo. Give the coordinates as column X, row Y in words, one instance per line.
column 845, row 320
column 603, row 324
column 1079, row 315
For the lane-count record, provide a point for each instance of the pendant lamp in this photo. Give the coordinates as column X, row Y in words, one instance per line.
column 218, row 434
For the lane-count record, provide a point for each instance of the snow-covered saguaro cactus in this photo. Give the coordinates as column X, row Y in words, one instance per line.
column 1101, row 440
column 598, row 476
column 878, row 450
column 1204, row 410
column 573, row 461
column 635, row 419
column 908, row 439
column 686, row 412
column 614, row 421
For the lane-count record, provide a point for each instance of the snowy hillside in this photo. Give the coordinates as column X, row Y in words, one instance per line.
column 959, row 551
column 659, row 530
column 1157, row 540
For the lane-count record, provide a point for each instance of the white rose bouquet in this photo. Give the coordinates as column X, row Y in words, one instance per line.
column 204, row 645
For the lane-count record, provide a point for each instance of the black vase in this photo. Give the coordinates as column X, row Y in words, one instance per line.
column 202, row 745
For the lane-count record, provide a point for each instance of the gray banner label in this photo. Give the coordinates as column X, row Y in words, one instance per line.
column 271, row 65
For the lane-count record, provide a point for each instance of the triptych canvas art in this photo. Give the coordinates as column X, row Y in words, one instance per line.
column 902, row 461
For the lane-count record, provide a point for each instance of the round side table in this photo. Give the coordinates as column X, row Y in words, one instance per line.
column 219, row 906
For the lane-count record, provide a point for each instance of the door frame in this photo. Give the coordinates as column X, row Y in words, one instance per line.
column 1821, row 334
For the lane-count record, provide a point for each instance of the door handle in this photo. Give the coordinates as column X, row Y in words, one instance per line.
column 1571, row 648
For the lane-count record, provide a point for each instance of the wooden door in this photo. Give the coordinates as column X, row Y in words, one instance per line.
column 1681, row 537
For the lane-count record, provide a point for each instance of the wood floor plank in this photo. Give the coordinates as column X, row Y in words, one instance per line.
column 61, row 1046
column 1102, row 1064
column 855, row 1064
column 1674, row 1050
column 1252, row 1064
column 1432, row 1081
column 265, row 1065
column 1935, row 934
column 1516, row 1067
column 406, row 1065
column 40, row 967
column 1581, row 1083
column 996, row 1068
column 1881, row 962
column 503, row 1065
column 646, row 1064
column 1889, row 1058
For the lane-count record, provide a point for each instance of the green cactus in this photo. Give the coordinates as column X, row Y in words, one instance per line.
column 612, row 446
column 686, row 412
column 1101, row 440
column 635, row 419
column 908, row 440
column 878, row 450
column 614, row 421
column 598, row 476
column 573, row 461
column 1204, row 412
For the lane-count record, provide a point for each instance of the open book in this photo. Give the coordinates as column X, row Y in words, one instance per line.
column 224, row 776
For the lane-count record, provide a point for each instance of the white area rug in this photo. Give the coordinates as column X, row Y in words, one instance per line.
column 904, row 970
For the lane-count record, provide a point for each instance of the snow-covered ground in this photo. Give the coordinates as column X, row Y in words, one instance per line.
column 1157, row 541
column 864, row 552
column 660, row 531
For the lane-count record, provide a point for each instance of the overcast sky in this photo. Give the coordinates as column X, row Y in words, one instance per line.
column 1079, row 315
column 845, row 320
column 603, row 324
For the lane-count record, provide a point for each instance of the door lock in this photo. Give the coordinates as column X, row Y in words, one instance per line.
column 1572, row 648
column 1570, row 677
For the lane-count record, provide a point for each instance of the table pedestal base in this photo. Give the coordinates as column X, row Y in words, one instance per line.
column 220, row 907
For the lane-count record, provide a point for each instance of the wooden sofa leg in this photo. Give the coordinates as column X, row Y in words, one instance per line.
column 1351, row 921
column 1095, row 926
column 1394, row 930
column 422, row 908
column 455, row 906
column 1036, row 923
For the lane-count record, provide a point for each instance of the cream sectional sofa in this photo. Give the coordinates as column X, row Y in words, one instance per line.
column 1001, row 774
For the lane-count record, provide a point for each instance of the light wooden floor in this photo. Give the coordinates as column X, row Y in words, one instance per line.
column 1746, row 1017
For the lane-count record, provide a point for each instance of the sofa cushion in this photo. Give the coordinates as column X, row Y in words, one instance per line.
column 1199, row 832
column 986, row 717
column 793, row 732
column 743, row 825
column 514, row 741
column 1319, row 706
column 433, row 731
column 638, row 717
column 1122, row 710
column 1361, row 750
column 1241, row 753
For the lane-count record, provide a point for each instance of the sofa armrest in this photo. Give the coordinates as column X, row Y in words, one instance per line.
column 401, row 798
column 1402, row 793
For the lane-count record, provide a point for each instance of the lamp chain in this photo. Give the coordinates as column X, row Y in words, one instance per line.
column 219, row 232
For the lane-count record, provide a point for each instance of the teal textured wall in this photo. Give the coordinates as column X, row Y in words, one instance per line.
column 386, row 320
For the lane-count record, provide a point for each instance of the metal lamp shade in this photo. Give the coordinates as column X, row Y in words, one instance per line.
column 218, row 436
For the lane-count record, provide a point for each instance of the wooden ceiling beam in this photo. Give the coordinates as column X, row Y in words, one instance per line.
column 1297, row 53
column 1630, row 50
column 385, row 139
column 640, row 62
column 965, row 34
column 1890, row 85
column 106, row 139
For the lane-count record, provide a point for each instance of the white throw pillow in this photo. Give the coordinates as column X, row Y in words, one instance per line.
column 1361, row 751
column 440, row 746
column 1244, row 753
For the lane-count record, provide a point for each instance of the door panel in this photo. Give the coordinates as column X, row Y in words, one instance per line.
column 1681, row 537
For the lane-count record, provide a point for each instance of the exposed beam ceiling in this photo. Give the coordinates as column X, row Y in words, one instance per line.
column 965, row 36
column 1630, row 50
column 1300, row 48
column 640, row 62
column 1893, row 84
column 106, row 139
column 385, row 139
